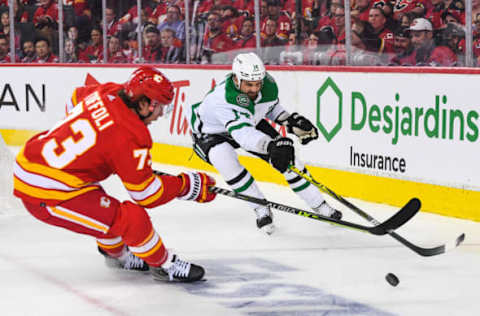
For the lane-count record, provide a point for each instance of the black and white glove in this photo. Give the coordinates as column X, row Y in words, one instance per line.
column 281, row 153
column 302, row 128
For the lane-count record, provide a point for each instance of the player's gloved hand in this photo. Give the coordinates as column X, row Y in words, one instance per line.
column 281, row 153
column 196, row 187
column 302, row 128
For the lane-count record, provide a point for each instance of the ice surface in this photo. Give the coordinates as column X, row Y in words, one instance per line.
column 306, row 268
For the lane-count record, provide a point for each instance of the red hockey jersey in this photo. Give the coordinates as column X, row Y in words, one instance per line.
column 99, row 137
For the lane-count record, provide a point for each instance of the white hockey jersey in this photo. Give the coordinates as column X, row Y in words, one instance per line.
column 225, row 109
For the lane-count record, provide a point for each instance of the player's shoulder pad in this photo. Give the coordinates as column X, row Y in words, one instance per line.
column 237, row 98
column 269, row 89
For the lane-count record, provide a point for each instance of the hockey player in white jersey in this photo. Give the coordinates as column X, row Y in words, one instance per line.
column 232, row 115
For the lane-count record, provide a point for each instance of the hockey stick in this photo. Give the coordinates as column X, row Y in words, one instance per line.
column 397, row 220
column 426, row 252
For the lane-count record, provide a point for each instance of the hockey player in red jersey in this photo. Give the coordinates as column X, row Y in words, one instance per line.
column 57, row 174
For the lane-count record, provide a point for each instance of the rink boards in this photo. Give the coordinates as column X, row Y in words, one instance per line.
column 386, row 134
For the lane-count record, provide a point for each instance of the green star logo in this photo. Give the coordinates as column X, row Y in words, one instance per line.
column 329, row 85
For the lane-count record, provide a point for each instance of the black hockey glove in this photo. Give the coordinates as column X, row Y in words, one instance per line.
column 281, row 153
column 302, row 128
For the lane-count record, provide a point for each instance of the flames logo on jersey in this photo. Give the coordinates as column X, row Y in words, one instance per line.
column 105, row 202
column 401, row 4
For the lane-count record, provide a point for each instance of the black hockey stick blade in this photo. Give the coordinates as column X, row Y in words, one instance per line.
column 429, row 252
column 398, row 219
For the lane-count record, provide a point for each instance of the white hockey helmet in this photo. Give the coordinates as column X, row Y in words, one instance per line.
column 248, row 67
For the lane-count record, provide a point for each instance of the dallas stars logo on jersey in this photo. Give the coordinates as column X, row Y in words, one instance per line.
column 243, row 100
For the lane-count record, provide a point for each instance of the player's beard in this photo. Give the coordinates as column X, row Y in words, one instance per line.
column 252, row 95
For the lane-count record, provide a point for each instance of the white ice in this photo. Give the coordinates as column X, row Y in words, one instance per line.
column 306, row 268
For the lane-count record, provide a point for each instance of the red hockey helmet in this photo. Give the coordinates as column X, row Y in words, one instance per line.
column 148, row 81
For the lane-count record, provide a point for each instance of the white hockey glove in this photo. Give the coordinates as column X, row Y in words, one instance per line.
column 301, row 127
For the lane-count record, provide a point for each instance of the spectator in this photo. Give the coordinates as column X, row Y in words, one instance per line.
column 215, row 40
column 4, row 56
column 453, row 37
column 406, row 19
column 376, row 29
column 159, row 12
column 232, row 22
column 284, row 24
column 270, row 36
column 151, row 51
column 328, row 19
column 28, row 52
column 361, row 11
column 174, row 22
column 71, row 51
column 92, row 52
column 170, row 53
column 425, row 51
column 417, row 7
column 44, row 52
column 113, row 27
column 246, row 38
column 5, row 30
column 339, row 24
column 115, row 54
column 402, row 49
column 45, row 19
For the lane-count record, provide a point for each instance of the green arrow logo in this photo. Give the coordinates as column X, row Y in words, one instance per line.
column 329, row 84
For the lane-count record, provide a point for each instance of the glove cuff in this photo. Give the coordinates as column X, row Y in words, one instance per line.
column 191, row 186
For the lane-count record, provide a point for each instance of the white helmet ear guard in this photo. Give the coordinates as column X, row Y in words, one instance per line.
column 248, row 67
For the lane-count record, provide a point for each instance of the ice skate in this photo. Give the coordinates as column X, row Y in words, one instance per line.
column 326, row 210
column 177, row 270
column 128, row 261
column 265, row 219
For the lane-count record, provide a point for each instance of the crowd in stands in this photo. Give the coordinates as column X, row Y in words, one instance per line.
column 383, row 32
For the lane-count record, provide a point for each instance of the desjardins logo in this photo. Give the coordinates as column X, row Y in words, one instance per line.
column 440, row 121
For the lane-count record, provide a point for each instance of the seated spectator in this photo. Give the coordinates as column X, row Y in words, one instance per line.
column 339, row 24
column 4, row 48
column 5, row 30
column 174, row 22
column 170, row 53
column 376, row 29
column 453, row 37
column 28, row 52
column 45, row 19
column 215, row 40
column 113, row 27
column 151, row 51
column 246, row 38
column 361, row 10
column 417, row 7
column 159, row 12
column 80, row 7
column 92, row 52
column 71, row 51
column 270, row 37
column 245, row 7
column 307, row 7
column 115, row 53
column 402, row 48
column 426, row 53
column 328, row 19
column 284, row 23
column 319, row 41
column 131, row 17
column 231, row 21
column 44, row 52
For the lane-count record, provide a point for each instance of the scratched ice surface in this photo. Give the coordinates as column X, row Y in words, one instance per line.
column 305, row 268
